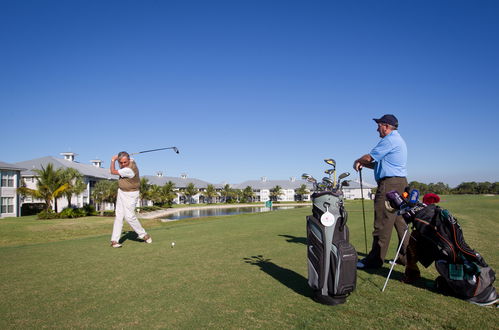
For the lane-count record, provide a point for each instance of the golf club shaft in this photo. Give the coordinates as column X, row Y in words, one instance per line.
column 141, row 152
column 363, row 210
column 395, row 259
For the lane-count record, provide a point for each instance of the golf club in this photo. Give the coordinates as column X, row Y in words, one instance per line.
column 363, row 210
column 310, row 179
column 332, row 162
column 329, row 182
column 395, row 259
column 329, row 171
column 341, row 177
column 141, row 152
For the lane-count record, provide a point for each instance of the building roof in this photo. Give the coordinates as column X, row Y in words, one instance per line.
column 355, row 184
column 269, row 184
column 179, row 182
column 85, row 169
column 7, row 166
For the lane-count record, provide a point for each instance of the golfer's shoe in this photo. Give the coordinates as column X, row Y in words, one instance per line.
column 115, row 244
column 365, row 264
column 147, row 238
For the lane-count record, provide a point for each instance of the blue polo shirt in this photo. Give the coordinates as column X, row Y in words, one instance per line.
column 390, row 155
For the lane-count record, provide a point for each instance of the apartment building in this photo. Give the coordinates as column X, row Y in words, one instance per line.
column 10, row 180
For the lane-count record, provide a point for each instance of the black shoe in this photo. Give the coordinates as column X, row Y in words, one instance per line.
column 365, row 264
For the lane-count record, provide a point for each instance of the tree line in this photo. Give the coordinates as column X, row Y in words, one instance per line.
column 441, row 188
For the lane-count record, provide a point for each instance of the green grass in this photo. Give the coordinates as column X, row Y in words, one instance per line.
column 245, row 271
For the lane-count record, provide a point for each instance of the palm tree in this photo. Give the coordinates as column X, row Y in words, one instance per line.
column 145, row 191
column 105, row 191
column 49, row 184
column 74, row 179
column 226, row 193
column 168, row 193
column 190, row 191
column 303, row 190
column 248, row 194
column 209, row 193
column 275, row 193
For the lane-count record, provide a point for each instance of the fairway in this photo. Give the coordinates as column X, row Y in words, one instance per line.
column 244, row 271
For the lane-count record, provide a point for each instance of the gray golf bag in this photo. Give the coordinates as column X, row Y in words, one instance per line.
column 332, row 260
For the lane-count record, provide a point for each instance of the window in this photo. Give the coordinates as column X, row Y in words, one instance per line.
column 7, row 205
column 8, row 179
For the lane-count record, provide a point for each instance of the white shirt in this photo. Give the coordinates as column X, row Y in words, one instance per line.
column 126, row 172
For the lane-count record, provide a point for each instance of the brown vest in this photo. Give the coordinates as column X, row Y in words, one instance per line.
column 130, row 184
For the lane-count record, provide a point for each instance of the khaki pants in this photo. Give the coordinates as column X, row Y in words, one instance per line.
column 384, row 222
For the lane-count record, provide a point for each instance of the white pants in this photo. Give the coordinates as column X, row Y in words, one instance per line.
column 125, row 208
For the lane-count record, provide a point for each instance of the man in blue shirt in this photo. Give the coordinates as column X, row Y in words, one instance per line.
column 388, row 159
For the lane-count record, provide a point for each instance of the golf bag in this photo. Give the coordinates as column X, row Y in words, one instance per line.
column 332, row 270
column 463, row 271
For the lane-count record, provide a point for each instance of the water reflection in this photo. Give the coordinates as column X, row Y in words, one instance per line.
column 203, row 212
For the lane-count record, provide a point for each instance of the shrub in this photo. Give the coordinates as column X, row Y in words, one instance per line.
column 44, row 215
column 148, row 208
column 70, row 213
column 89, row 209
column 109, row 213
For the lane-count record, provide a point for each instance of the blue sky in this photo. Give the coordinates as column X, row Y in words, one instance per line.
column 252, row 88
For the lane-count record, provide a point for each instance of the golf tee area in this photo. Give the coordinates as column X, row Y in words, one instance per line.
column 233, row 272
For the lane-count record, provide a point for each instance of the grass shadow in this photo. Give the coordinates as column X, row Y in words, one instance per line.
column 295, row 239
column 130, row 236
column 422, row 283
column 287, row 277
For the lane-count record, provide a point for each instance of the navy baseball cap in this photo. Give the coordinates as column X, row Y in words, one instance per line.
column 388, row 119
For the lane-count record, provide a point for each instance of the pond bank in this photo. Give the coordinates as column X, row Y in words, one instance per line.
column 169, row 211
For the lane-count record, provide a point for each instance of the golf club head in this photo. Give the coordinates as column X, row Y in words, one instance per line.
column 175, row 149
column 329, row 171
column 345, row 183
column 330, row 161
column 312, row 179
column 343, row 175
column 305, row 176
column 327, row 180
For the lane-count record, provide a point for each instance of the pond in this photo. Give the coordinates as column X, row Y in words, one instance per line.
column 210, row 212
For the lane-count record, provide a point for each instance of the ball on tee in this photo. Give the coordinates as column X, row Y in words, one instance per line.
column 173, row 244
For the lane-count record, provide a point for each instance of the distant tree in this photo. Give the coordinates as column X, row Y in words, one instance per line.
column 190, row 191
column 74, row 179
column 275, row 193
column 105, row 191
column 49, row 186
column 247, row 194
column 302, row 191
column 494, row 188
column 145, row 191
column 168, row 193
column 227, row 193
column 210, row 193
column 237, row 194
column 438, row 188
column 466, row 188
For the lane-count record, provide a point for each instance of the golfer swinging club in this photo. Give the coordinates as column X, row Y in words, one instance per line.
column 128, row 195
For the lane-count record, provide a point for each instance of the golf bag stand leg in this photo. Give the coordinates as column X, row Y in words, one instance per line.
column 395, row 259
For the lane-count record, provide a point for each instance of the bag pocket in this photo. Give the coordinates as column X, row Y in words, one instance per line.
column 343, row 269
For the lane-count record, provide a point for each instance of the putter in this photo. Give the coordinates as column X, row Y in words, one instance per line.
column 395, row 259
column 141, row 152
column 363, row 210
